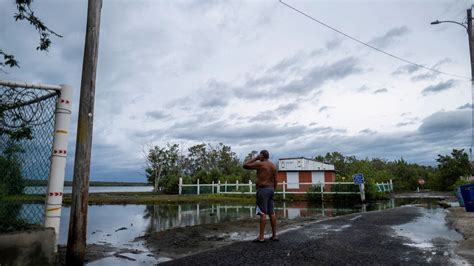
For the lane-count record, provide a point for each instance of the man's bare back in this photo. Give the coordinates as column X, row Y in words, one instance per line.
column 266, row 171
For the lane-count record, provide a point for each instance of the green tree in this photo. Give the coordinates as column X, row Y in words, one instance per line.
column 451, row 168
column 26, row 13
column 11, row 180
column 163, row 164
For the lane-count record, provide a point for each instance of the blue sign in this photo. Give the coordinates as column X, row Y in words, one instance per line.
column 358, row 179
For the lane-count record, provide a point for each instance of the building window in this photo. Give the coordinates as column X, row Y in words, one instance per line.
column 292, row 180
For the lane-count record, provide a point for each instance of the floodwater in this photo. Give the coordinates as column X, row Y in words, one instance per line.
column 120, row 225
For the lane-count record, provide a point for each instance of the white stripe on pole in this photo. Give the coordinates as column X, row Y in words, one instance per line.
column 58, row 160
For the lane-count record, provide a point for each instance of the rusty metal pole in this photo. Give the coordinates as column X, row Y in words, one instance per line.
column 76, row 244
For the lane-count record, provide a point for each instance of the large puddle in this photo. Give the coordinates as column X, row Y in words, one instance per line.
column 120, row 225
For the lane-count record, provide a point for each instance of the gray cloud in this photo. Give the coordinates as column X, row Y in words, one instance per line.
column 333, row 43
column 389, row 37
column 363, row 88
column 425, row 76
column 465, row 106
column 402, row 124
column 441, row 86
column 406, row 69
column 442, row 122
column 286, row 109
column 368, row 131
column 383, row 90
column 263, row 117
column 318, row 75
column 156, row 115
column 324, row 108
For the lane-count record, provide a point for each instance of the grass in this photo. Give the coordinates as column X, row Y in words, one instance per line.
column 138, row 198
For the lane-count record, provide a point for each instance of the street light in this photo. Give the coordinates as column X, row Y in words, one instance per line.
column 470, row 34
column 448, row 21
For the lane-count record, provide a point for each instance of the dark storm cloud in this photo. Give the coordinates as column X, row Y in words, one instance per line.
column 441, row 86
column 389, row 37
column 383, row 90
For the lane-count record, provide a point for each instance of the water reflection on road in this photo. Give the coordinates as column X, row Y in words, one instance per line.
column 104, row 221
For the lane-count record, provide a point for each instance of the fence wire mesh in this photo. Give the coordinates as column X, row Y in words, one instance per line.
column 26, row 139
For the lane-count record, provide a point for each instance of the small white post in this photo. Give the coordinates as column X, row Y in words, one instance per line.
column 59, row 152
column 198, row 189
column 391, row 185
column 218, row 187
column 322, row 191
column 212, row 187
column 362, row 192
column 180, row 185
column 237, row 186
column 284, row 189
column 225, row 187
column 250, row 186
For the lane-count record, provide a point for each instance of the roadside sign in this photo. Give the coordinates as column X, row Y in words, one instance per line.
column 421, row 181
column 358, row 179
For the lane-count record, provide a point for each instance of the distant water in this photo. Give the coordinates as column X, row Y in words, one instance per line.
column 68, row 189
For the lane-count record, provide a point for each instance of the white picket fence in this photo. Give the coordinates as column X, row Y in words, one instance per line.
column 385, row 187
column 249, row 188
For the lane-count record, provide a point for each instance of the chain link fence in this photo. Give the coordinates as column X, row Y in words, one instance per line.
column 26, row 138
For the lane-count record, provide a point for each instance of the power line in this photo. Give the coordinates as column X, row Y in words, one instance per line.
column 370, row 46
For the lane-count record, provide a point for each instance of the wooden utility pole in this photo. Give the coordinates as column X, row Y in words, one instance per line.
column 76, row 244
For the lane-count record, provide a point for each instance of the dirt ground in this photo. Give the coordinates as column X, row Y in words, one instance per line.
column 463, row 222
column 180, row 242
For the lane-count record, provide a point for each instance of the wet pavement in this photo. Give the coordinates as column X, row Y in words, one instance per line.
column 406, row 235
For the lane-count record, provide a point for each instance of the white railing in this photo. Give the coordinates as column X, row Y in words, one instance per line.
column 385, row 187
column 249, row 188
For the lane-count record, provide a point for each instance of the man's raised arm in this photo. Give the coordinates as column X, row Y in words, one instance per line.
column 253, row 163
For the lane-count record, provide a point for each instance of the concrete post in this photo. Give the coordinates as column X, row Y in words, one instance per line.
column 198, row 188
column 212, row 187
column 250, row 186
column 362, row 192
column 237, row 186
column 284, row 189
column 322, row 191
column 54, row 198
column 180, row 185
column 218, row 187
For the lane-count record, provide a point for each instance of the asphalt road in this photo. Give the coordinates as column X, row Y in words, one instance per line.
column 357, row 239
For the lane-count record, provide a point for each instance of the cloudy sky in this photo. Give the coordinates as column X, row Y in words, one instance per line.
column 256, row 74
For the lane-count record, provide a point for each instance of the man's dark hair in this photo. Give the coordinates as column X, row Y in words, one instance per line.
column 265, row 154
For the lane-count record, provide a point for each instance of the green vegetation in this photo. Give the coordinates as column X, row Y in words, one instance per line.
column 405, row 176
column 203, row 161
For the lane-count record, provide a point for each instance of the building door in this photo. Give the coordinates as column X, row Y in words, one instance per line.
column 293, row 180
column 317, row 177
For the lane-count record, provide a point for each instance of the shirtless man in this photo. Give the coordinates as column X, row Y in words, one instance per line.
column 266, row 186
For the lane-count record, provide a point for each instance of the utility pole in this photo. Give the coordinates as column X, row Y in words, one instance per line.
column 76, row 244
column 470, row 34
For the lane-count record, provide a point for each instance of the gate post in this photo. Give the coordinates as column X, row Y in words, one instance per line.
column 58, row 161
